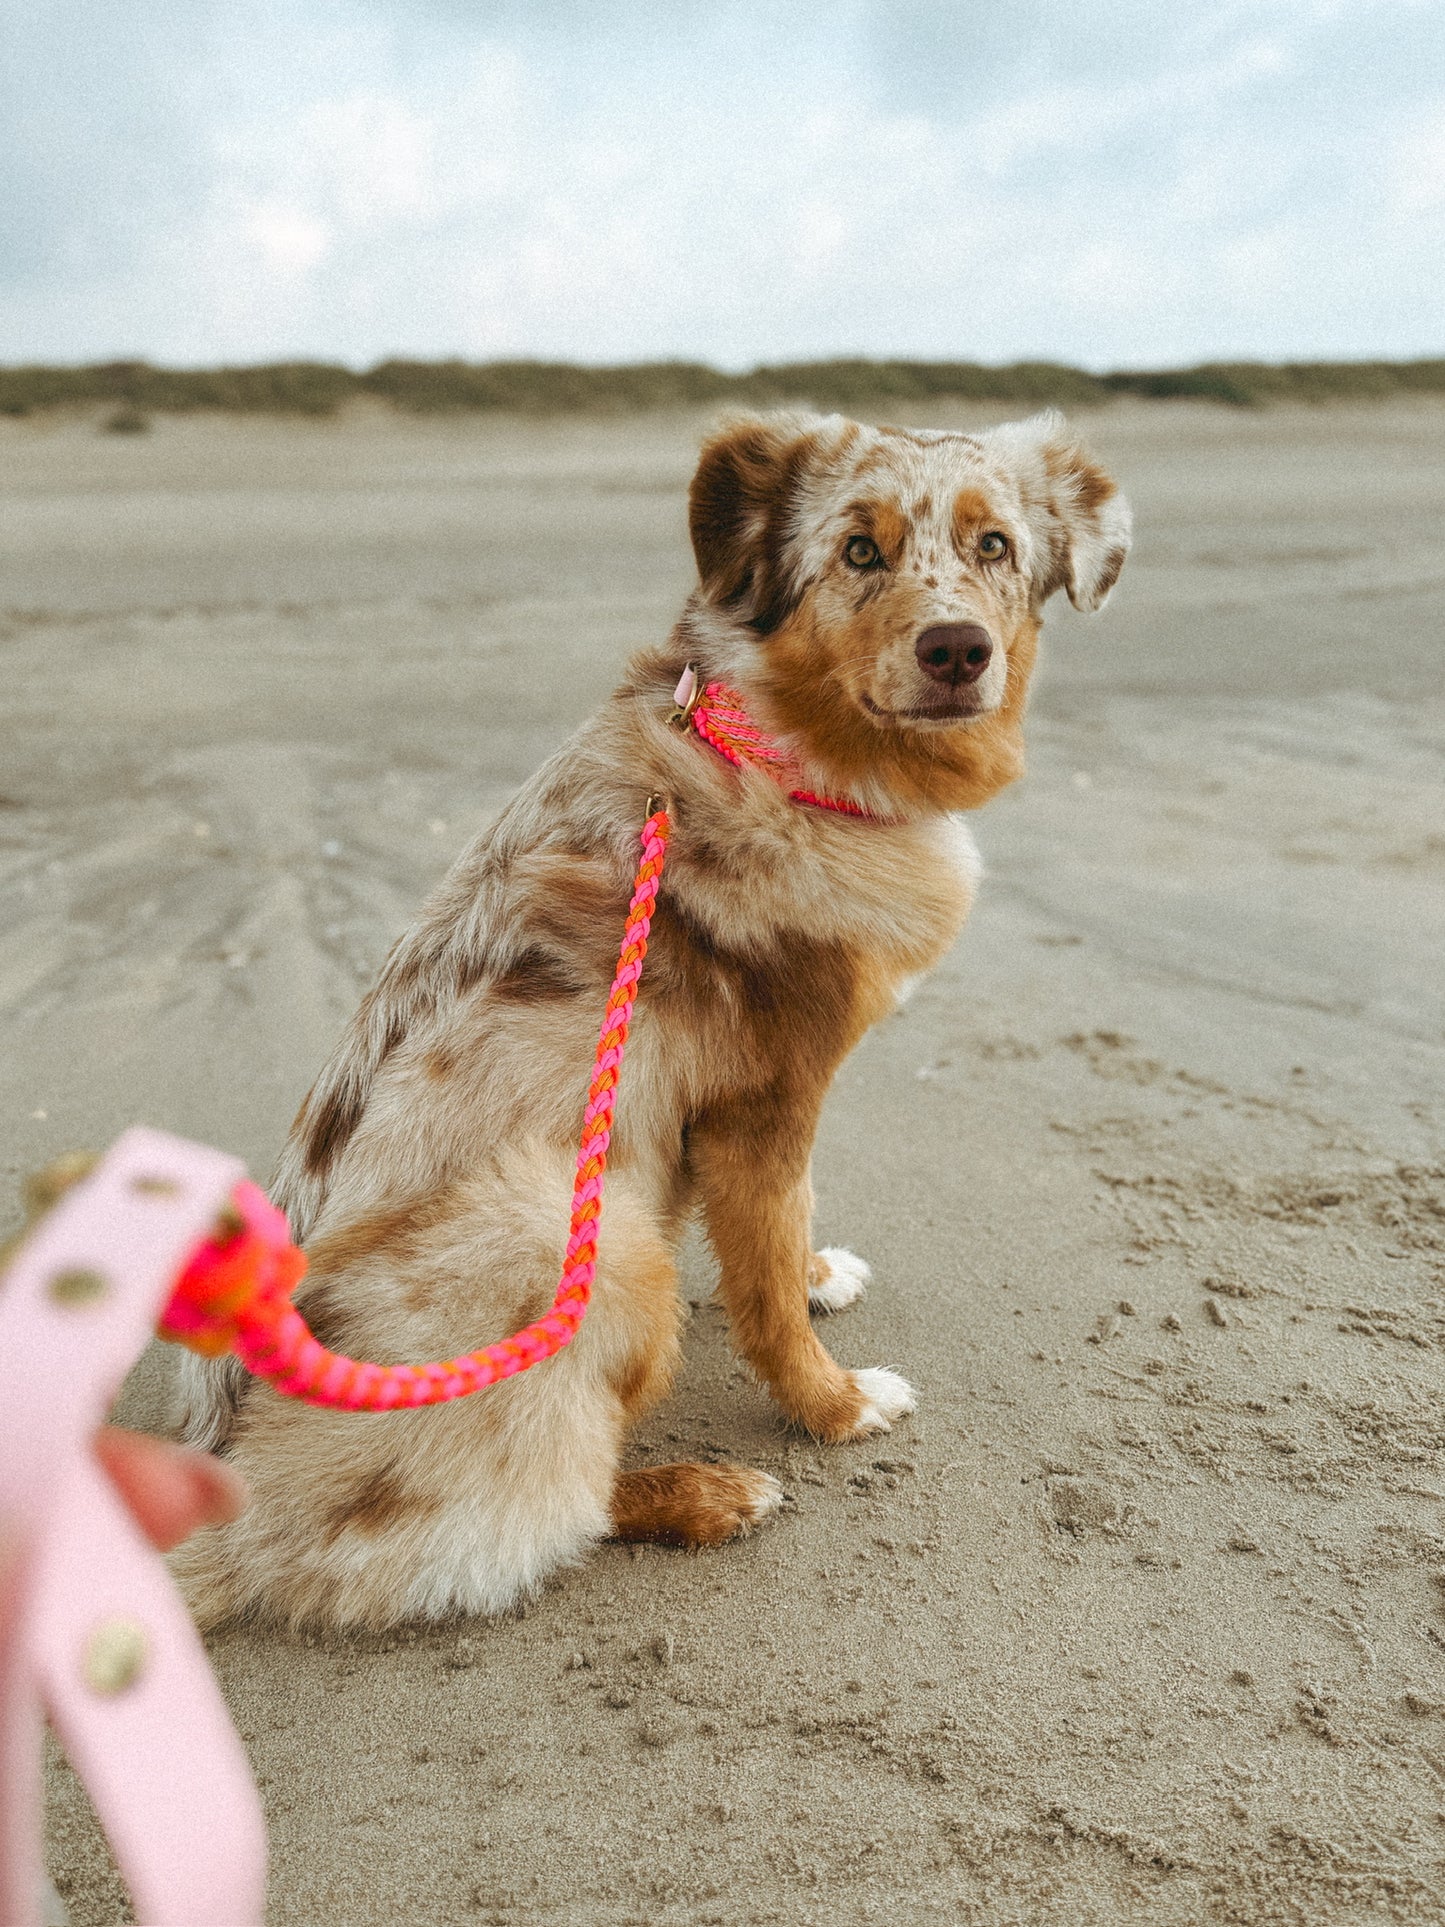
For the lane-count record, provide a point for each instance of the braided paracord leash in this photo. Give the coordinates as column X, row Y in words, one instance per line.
column 234, row 1295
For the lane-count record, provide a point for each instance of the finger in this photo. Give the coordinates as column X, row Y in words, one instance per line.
column 169, row 1490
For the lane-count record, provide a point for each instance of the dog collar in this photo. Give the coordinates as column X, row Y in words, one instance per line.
column 719, row 715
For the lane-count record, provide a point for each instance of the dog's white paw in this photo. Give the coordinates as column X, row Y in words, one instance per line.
column 836, row 1279
column 767, row 1497
column 886, row 1397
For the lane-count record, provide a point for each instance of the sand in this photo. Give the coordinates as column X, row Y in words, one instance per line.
column 1142, row 1618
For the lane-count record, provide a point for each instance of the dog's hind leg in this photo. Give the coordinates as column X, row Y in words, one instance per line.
column 691, row 1505
column 368, row 1519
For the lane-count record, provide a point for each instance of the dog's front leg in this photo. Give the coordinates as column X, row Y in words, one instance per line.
column 750, row 1160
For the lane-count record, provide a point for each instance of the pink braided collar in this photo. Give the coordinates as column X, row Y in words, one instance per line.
column 720, row 717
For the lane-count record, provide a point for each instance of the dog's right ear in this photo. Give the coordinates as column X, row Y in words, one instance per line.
column 740, row 514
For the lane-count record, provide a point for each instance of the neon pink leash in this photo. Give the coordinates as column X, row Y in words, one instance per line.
column 272, row 1337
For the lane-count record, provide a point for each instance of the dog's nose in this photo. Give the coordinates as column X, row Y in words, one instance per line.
column 954, row 652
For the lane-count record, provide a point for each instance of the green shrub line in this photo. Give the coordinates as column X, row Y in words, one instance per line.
column 320, row 388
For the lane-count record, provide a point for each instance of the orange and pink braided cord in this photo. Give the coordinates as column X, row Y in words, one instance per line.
column 235, row 1294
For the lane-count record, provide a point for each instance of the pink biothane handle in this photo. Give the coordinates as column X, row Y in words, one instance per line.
column 92, row 1629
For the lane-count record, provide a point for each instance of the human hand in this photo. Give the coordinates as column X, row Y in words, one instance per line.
column 169, row 1490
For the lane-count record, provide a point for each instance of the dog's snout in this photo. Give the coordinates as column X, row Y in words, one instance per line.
column 954, row 652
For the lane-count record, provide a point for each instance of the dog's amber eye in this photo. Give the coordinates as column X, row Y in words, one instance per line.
column 862, row 553
column 993, row 545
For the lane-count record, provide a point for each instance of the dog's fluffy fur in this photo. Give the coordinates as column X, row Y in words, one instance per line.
column 429, row 1170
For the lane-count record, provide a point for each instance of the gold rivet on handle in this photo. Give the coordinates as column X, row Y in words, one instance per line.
column 155, row 1187
column 44, row 1189
column 77, row 1285
column 115, row 1656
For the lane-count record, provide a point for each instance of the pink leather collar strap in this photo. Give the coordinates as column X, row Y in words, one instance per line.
column 92, row 1630
column 720, row 717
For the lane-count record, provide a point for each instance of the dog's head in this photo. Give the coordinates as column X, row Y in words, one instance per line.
column 881, row 589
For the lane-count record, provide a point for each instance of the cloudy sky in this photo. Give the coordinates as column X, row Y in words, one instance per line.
column 1110, row 182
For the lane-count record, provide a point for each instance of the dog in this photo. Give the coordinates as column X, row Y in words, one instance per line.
column 873, row 595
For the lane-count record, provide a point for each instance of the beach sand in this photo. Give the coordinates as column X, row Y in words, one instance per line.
column 1142, row 1618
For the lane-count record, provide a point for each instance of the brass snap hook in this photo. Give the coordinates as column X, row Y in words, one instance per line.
column 686, row 696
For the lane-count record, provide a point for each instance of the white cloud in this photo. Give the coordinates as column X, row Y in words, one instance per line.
column 288, row 240
column 1418, row 170
column 373, row 158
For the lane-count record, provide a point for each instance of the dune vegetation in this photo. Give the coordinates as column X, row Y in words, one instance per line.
column 136, row 389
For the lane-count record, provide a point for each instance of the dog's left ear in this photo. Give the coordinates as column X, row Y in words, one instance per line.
column 1081, row 523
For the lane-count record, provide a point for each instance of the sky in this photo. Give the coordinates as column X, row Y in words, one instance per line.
column 1127, row 183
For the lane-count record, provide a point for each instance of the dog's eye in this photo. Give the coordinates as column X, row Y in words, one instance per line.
column 862, row 553
column 993, row 545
